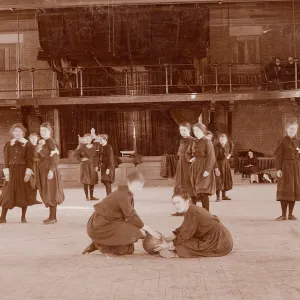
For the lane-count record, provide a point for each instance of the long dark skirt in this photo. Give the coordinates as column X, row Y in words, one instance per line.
column 202, row 185
column 16, row 192
column 224, row 181
column 88, row 175
column 110, row 178
column 217, row 242
column 116, row 237
column 51, row 191
column 182, row 176
column 288, row 186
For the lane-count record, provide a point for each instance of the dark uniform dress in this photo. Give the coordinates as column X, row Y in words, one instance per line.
column 182, row 176
column 33, row 178
column 202, row 234
column 88, row 174
column 287, row 159
column 51, row 191
column 253, row 169
column 224, row 181
column 203, row 151
column 115, row 225
column 18, row 158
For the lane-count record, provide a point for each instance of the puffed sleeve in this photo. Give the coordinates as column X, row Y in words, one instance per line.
column 188, row 228
column 29, row 158
column 110, row 157
column 6, row 159
column 279, row 155
column 210, row 156
column 77, row 153
column 129, row 212
column 54, row 154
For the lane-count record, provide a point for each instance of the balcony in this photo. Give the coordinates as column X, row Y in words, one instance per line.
column 106, row 84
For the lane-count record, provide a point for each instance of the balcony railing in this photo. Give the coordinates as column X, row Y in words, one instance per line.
column 141, row 80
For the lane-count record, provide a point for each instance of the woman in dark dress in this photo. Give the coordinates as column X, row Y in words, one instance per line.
column 287, row 160
column 18, row 168
column 182, row 176
column 223, row 152
column 34, row 138
column 202, row 156
column 87, row 155
column 200, row 234
column 251, row 165
column 106, row 163
column 115, row 226
column 49, row 180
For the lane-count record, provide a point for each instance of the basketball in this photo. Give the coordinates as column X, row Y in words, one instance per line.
column 150, row 242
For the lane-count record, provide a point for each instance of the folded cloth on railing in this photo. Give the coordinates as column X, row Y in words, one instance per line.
column 168, row 166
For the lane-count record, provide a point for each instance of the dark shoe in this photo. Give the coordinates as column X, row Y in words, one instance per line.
column 226, row 198
column 93, row 198
column 218, row 200
column 281, row 218
column 87, row 199
column 89, row 249
column 178, row 214
column 23, row 220
column 2, row 221
column 292, row 217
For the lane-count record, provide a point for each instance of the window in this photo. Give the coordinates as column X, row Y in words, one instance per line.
column 246, row 50
column 8, row 55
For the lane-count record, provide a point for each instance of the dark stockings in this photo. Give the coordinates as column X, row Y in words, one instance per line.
column 24, row 209
column 86, row 190
column 91, row 191
column 223, row 194
column 291, row 207
column 194, row 200
column 4, row 213
column 52, row 213
column 284, row 205
column 204, row 200
column 107, row 187
column 218, row 194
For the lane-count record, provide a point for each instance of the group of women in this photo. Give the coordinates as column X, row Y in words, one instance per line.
column 30, row 166
column 203, row 169
column 95, row 154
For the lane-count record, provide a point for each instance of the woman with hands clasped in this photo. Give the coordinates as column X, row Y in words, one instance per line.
column 200, row 234
column 287, row 160
column 49, row 181
column 202, row 156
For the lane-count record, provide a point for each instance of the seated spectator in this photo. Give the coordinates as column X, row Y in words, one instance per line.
column 289, row 73
column 274, row 72
column 251, row 167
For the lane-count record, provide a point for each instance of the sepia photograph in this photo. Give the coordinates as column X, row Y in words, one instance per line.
column 149, row 149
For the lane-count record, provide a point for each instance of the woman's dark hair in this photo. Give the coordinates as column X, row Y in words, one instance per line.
column 135, row 176
column 20, row 126
column 180, row 192
column 201, row 126
column 223, row 135
column 47, row 125
column 185, row 124
column 34, row 134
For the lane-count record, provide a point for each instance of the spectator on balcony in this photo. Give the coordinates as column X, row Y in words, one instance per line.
column 251, row 167
column 289, row 73
column 274, row 72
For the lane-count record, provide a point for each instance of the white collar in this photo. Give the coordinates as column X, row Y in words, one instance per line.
column 22, row 140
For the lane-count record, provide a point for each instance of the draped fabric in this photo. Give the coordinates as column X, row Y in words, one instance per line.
column 156, row 132
column 190, row 115
column 125, row 34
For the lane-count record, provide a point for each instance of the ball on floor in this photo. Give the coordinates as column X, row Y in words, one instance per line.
column 150, row 242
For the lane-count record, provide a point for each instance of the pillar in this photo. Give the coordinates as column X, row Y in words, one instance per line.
column 56, row 125
column 229, row 118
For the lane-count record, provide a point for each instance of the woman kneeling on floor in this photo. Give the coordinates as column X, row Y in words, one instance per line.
column 200, row 234
column 115, row 226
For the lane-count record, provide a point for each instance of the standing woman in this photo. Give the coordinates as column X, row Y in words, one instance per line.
column 202, row 156
column 287, row 159
column 223, row 152
column 182, row 176
column 49, row 180
column 18, row 165
column 87, row 155
column 107, row 163
column 34, row 138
